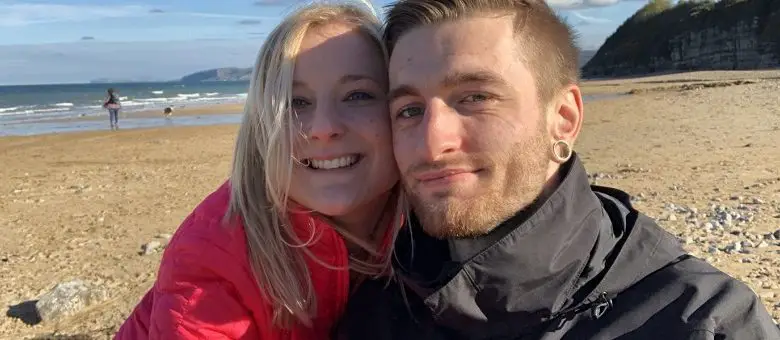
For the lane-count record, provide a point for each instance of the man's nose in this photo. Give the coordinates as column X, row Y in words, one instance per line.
column 326, row 123
column 441, row 129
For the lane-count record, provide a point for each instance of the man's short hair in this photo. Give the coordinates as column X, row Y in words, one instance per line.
column 546, row 41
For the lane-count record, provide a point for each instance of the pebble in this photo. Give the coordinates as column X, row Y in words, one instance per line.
column 151, row 247
column 67, row 299
column 733, row 248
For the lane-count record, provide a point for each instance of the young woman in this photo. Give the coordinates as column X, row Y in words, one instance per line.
column 112, row 104
column 311, row 206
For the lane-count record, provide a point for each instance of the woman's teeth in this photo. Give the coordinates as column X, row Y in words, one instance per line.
column 336, row 163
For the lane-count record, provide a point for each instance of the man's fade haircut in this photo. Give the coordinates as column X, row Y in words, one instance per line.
column 546, row 42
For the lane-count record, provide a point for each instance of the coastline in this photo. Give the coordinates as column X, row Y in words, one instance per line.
column 218, row 114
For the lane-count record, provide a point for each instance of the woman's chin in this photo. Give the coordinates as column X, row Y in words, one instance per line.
column 334, row 211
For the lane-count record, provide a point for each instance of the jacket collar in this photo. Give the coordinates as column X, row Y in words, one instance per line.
column 526, row 270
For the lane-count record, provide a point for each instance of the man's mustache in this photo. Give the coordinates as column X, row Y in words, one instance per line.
column 466, row 163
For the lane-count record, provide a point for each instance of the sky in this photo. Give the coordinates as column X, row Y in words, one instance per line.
column 73, row 41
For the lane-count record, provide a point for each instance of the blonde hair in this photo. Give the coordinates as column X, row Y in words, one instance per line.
column 263, row 163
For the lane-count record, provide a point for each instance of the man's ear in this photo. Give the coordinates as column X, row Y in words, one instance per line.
column 564, row 119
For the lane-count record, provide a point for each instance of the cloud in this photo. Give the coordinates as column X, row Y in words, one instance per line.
column 250, row 22
column 23, row 14
column 223, row 16
column 574, row 4
column 85, row 38
column 271, row 2
column 589, row 20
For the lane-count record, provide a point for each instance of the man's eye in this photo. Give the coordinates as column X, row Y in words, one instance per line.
column 475, row 98
column 359, row 96
column 409, row 112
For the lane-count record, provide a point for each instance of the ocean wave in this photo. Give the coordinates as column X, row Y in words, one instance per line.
column 7, row 109
column 94, row 107
column 150, row 100
column 34, row 111
column 158, row 92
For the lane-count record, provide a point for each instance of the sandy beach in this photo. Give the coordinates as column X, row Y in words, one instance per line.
column 81, row 205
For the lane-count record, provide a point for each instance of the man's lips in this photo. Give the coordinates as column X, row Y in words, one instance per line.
column 439, row 175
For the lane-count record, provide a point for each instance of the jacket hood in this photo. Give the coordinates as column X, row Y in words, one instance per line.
column 567, row 256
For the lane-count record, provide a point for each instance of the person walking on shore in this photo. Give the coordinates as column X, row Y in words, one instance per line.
column 113, row 106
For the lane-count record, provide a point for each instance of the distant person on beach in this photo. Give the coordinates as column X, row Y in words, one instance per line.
column 312, row 203
column 167, row 113
column 113, row 105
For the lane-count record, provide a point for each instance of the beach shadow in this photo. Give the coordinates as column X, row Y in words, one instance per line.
column 63, row 337
column 26, row 312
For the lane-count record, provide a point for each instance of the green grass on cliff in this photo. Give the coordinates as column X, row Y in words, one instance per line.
column 646, row 34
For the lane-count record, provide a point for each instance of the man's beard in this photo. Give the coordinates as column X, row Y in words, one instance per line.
column 514, row 186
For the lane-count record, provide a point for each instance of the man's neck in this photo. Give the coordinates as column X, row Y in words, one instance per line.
column 463, row 249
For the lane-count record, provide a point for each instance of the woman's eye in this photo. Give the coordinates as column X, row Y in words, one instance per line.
column 298, row 103
column 359, row 96
column 411, row 111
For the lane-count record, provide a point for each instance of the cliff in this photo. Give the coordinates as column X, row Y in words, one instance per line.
column 692, row 35
column 219, row 74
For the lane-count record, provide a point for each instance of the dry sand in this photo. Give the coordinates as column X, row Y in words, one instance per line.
column 79, row 206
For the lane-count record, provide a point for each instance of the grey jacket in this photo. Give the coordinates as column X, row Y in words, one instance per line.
column 582, row 265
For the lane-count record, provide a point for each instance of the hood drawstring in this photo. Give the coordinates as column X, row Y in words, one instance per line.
column 597, row 308
column 600, row 306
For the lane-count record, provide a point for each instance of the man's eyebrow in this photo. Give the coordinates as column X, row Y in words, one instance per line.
column 482, row 77
column 401, row 91
column 452, row 80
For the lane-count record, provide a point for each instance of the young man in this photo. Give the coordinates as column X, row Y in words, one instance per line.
column 508, row 240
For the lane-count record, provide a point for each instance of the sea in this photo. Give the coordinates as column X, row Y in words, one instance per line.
column 26, row 104
column 41, row 109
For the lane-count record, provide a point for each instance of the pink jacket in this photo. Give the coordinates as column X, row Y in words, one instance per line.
column 205, row 288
